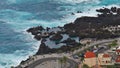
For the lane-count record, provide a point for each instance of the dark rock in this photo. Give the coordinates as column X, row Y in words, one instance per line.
column 104, row 10
column 35, row 30
column 69, row 41
column 83, row 27
column 79, row 12
column 72, row 13
column 38, row 37
column 114, row 9
column 56, row 37
column 118, row 11
column 43, row 49
column 71, row 33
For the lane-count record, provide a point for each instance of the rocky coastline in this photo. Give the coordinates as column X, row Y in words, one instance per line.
column 67, row 38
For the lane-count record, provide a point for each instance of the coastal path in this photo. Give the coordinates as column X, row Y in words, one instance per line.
column 37, row 59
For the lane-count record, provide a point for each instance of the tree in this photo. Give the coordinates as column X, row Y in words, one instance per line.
column 113, row 44
column 65, row 60
column 85, row 66
column 82, row 59
column 61, row 61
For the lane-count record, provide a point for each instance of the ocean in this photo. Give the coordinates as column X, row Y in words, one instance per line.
column 16, row 16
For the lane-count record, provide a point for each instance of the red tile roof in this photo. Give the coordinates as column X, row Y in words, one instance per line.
column 118, row 59
column 118, row 50
column 106, row 55
column 89, row 54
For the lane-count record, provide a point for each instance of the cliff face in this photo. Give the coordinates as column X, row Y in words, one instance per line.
column 92, row 26
column 43, row 49
column 84, row 27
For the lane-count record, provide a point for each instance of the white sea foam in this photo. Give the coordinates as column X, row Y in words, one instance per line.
column 77, row 1
column 91, row 12
column 19, row 23
column 19, row 55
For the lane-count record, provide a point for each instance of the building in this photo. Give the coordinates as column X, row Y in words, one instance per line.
column 117, row 62
column 112, row 28
column 86, row 41
column 117, row 59
column 90, row 59
column 105, row 59
column 117, row 52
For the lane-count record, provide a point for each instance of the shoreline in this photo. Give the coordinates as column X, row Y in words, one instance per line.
column 59, row 55
column 83, row 27
column 71, row 30
column 36, row 44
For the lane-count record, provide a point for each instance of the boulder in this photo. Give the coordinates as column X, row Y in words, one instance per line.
column 37, row 37
column 69, row 41
column 56, row 37
column 43, row 49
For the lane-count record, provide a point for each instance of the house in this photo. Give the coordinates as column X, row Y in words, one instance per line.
column 105, row 59
column 117, row 59
column 90, row 59
column 117, row 62
column 117, row 52
column 112, row 28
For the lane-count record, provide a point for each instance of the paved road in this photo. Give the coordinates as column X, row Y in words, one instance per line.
column 36, row 63
column 40, row 59
column 93, row 44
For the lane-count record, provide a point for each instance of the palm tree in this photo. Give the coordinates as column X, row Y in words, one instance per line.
column 82, row 59
column 61, row 61
column 96, row 60
column 65, row 60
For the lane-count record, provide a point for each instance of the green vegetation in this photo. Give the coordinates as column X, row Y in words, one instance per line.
column 85, row 66
column 82, row 59
column 63, row 60
column 113, row 44
column 111, row 66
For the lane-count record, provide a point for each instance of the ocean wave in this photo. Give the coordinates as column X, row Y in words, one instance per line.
column 77, row 1
column 89, row 11
column 20, row 21
column 23, row 1
column 57, row 1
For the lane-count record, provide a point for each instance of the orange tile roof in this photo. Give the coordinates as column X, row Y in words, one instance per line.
column 89, row 54
column 106, row 55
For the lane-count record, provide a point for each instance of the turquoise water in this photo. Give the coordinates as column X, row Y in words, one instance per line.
column 18, row 15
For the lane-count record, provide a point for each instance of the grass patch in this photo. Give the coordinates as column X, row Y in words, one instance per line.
column 113, row 44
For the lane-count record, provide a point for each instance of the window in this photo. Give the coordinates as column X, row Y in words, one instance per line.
column 106, row 62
